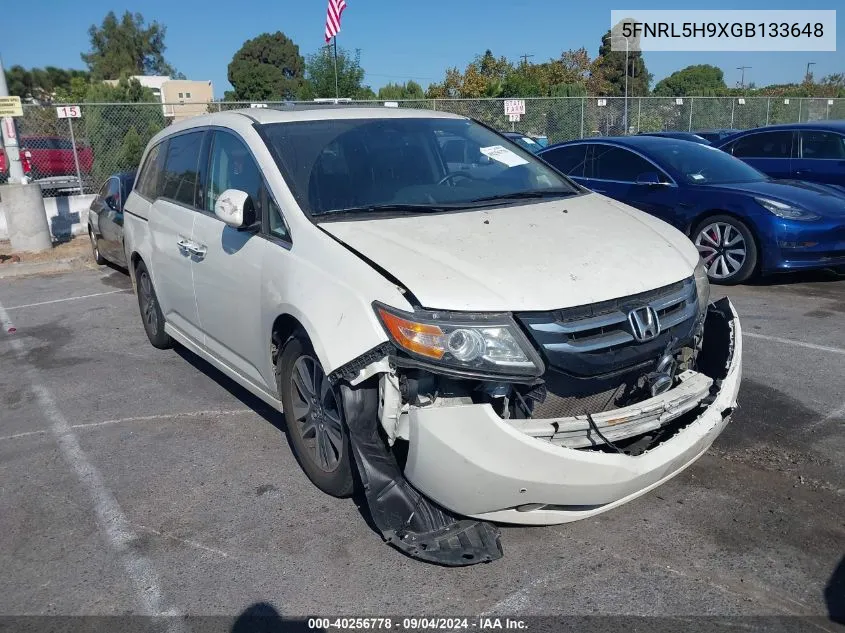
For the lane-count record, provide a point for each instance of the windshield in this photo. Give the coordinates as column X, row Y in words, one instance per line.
column 704, row 165
column 526, row 142
column 361, row 164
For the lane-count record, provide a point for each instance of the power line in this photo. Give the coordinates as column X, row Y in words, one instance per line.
column 525, row 57
column 742, row 80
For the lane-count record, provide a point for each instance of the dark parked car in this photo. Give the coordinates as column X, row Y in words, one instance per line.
column 741, row 220
column 806, row 151
column 716, row 135
column 683, row 136
column 524, row 141
column 105, row 219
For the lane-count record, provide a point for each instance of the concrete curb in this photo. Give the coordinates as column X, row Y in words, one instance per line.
column 23, row 269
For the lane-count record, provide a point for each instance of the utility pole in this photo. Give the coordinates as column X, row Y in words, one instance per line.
column 23, row 204
column 10, row 140
column 808, row 77
column 742, row 80
column 525, row 57
column 625, row 119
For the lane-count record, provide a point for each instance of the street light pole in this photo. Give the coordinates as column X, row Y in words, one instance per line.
column 742, row 80
column 10, row 137
column 807, row 76
column 625, row 118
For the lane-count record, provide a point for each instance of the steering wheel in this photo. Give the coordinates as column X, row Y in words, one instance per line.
column 456, row 174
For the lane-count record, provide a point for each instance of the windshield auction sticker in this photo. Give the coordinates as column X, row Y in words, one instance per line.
column 503, row 155
column 711, row 30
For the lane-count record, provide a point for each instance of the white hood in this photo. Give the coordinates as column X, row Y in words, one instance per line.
column 540, row 256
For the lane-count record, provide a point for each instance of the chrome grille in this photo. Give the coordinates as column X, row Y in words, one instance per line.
column 597, row 339
column 612, row 328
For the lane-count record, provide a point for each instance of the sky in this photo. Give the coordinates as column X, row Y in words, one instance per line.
column 398, row 39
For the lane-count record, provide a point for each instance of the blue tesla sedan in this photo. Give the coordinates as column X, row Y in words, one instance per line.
column 742, row 221
column 813, row 151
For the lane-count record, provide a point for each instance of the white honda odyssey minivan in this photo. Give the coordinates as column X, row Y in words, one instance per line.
column 449, row 325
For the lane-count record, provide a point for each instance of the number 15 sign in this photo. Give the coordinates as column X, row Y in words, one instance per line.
column 69, row 112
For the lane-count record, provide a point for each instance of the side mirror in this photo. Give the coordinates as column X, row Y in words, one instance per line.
column 649, row 178
column 235, row 208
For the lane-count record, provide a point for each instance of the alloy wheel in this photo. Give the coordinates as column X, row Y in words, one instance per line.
column 148, row 302
column 316, row 412
column 723, row 249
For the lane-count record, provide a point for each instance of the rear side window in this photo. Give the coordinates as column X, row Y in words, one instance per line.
column 569, row 159
column 179, row 177
column 150, row 174
column 615, row 163
column 816, row 144
column 764, row 145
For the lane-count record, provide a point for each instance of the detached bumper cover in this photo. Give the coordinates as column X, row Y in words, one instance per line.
column 469, row 460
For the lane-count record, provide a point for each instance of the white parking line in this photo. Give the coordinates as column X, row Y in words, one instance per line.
column 789, row 341
column 184, row 541
column 110, row 518
column 44, row 303
column 142, row 418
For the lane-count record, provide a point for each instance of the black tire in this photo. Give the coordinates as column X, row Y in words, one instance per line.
column 151, row 315
column 95, row 247
column 733, row 259
column 318, row 436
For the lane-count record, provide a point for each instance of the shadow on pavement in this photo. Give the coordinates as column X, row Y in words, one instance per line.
column 262, row 617
column 803, row 277
column 834, row 593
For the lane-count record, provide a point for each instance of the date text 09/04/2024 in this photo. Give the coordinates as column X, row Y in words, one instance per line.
column 417, row 624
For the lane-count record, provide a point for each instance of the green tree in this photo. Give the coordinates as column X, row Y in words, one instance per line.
column 44, row 85
column 394, row 92
column 612, row 64
column 119, row 133
column 268, row 67
column 319, row 73
column 128, row 46
column 700, row 79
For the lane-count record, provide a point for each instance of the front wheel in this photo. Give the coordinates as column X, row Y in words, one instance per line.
column 95, row 247
column 151, row 314
column 727, row 248
column 314, row 418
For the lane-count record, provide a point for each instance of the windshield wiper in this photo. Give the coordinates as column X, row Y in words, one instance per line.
column 391, row 208
column 534, row 193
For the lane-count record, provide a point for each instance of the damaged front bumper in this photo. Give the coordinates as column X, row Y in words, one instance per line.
column 472, row 462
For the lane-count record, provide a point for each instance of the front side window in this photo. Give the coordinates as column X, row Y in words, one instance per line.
column 232, row 167
column 816, row 144
column 615, row 163
column 358, row 165
column 180, row 168
column 113, row 194
column 764, row 145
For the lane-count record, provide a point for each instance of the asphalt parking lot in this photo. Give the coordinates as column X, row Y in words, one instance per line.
column 134, row 480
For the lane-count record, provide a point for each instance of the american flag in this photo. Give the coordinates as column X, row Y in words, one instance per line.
column 333, row 14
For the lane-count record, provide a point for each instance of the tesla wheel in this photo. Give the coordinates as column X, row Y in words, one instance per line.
column 95, row 247
column 314, row 418
column 727, row 248
column 151, row 314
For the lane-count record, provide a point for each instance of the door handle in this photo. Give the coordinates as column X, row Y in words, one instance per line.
column 197, row 250
column 184, row 244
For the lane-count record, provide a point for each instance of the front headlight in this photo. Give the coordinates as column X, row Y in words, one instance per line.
column 476, row 342
column 786, row 211
column 702, row 286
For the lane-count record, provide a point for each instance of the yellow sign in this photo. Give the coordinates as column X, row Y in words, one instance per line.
column 10, row 106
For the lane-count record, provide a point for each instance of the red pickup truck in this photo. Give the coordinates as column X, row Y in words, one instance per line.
column 50, row 158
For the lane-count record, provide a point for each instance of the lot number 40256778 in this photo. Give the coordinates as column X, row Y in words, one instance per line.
column 69, row 112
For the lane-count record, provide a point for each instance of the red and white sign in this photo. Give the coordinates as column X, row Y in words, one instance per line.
column 69, row 112
column 514, row 106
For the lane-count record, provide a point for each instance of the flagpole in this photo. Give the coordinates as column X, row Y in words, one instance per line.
column 336, row 92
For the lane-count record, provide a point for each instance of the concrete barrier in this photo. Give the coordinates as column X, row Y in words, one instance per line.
column 66, row 215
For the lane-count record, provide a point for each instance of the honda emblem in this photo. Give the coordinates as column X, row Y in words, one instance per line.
column 644, row 323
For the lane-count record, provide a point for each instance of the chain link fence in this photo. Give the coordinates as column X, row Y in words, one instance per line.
column 76, row 155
